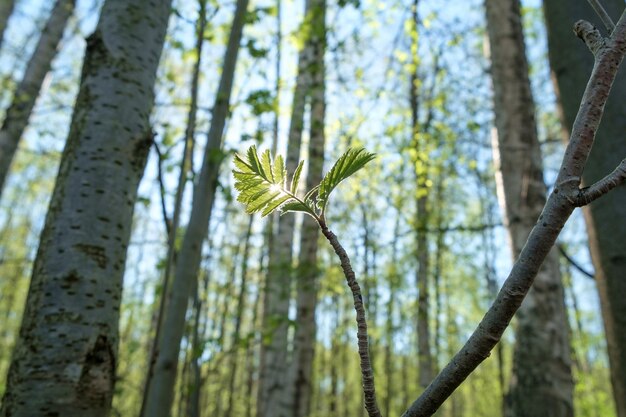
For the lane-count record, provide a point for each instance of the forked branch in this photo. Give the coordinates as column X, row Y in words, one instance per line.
column 565, row 197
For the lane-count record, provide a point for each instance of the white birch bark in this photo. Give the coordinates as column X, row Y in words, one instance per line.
column 160, row 395
column 606, row 220
column 65, row 357
column 6, row 9
column 241, row 304
column 541, row 382
column 422, row 252
column 564, row 198
column 185, row 167
column 307, row 274
column 25, row 96
column 273, row 398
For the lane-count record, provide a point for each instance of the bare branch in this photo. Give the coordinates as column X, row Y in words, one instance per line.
column 367, row 372
column 558, row 208
column 575, row 264
column 608, row 55
column 606, row 184
column 590, row 35
column 604, row 16
column 166, row 218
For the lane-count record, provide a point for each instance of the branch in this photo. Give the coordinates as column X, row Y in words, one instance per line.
column 558, row 208
column 457, row 228
column 604, row 16
column 590, row 35
column 571, row 260
column 166, row 218
column 606, row 184
column 367, row 372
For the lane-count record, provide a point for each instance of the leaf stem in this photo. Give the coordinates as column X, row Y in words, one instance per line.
column 367, row 372
column 318, row 219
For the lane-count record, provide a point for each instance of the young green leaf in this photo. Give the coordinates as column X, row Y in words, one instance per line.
column 266, row 164
column 255, row 164
column 262, row 184
column 296, row 178
column 294, row 206
column 280, row 173
column 349, row 163
column 275, row 204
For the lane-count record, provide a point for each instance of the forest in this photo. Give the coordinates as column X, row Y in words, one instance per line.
column 285, row 208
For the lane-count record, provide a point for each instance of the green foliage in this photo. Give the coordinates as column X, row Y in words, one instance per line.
column 355, row 3
column 261, row 101
column 254, row 51
column 255, row 15
column 262, row 182
column 349, row 163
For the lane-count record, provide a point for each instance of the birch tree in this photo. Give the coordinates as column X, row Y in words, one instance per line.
column 160, row 392
column 564, row 198
column 606, row 219
column 6, row 9
column 234, row 359
column 65, row 357
column 25, row 96
column 422, row 252
column 273, row 398
column 185, row 167
column 307, row 274
column 541, row 384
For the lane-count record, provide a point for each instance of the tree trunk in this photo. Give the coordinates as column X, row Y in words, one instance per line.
column 488, row 209
column 64, row 361
column 218, row 374
column 422, row 254
column 241, row 301
column 184, row 374
column 541, row 383
column 440, row 249
column 566, row 196
column 10, row 284
column 251, row 346
column 196, row 380
column 457, row 401
column 333, row 400
column 394, row 277
column 273, row 393
column 161, row 388
column 25, row 96
column 307, row 272
column 270, row 226
column 6, row 9
column 606, row 220
column 185, row 167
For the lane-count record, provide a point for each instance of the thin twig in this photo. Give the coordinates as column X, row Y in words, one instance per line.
column 166, row 218
column 450, row 228
column 575, row 264
column 603, row 186
column 367, row 372
column 604, row 16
